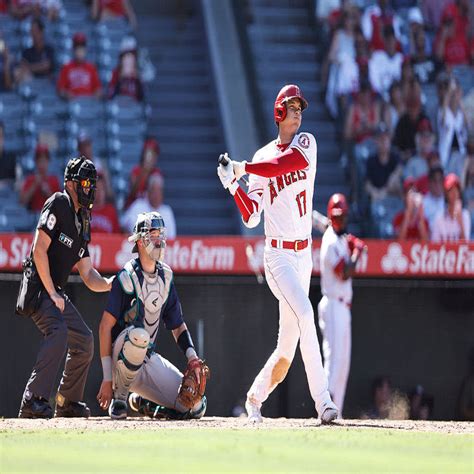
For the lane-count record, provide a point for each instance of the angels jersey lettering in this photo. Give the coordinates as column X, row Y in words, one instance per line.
column 287, row 199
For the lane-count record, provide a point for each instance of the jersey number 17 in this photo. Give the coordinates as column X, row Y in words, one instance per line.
column 301, row 201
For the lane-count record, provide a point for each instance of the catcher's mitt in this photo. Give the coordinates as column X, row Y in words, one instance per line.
column 191, row 391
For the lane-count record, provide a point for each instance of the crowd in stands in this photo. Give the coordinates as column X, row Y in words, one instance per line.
column 399, row 83
column 77, row 77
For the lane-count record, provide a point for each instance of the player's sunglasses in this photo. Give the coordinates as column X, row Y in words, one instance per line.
column 86, row 183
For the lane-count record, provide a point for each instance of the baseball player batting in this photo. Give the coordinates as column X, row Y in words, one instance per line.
column 338, row 257
column 281, row 183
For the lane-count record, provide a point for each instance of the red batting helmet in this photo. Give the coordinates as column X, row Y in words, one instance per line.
column 337, row 209
column 287, row 93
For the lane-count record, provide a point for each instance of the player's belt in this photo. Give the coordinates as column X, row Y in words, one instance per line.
column 295, row 245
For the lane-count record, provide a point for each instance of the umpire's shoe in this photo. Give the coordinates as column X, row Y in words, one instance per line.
column 118, row 410
column 68, row 409
column 35, row 407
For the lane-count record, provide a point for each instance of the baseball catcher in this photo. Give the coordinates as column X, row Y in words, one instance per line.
column 142, row 294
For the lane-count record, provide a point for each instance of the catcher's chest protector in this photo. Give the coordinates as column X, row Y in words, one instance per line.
column 150, row 291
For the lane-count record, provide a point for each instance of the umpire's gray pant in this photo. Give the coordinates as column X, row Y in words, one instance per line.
column 61, row 331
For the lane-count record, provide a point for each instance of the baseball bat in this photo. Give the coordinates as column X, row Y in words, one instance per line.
column 250, row 254
column 320, row 221
column 223, row 159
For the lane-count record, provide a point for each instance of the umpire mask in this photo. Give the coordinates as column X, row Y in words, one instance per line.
column 82, row 171
column 150, row 229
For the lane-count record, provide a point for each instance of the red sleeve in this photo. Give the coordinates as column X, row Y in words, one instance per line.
column 397, row 222
column 27, row 183
column 246, row 205
column 96, row 85
column 54, row 184
column 62, row 80
column 291, row 160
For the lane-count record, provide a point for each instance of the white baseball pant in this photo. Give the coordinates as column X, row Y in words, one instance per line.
column 288, row 274
column 335, row 324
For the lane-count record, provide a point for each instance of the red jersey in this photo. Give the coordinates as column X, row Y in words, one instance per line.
column 130, row 86
column 3, row 6
column 357, row 120
column 142, row 184
column 456, row 50
column 38, row 198
column 105, row 220
column 79, row 79
column 412, row 231
column 114, row 7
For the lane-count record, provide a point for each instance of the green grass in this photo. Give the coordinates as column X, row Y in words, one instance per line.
column 226, row 450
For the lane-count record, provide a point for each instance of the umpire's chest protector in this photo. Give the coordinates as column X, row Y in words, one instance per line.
column 150, row 293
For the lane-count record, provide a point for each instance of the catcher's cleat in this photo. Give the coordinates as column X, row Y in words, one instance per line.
column 158, row 412
column 67, row 409
column 35, row 407
column 253, row 412
column 329, row 413
column 141, row 405
column 118, row 410
column 198, row 413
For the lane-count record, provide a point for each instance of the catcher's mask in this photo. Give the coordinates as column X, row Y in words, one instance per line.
column 338, row 211
column 153, row 242
column 82, row 171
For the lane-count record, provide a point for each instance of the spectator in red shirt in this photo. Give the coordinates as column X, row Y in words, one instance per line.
column 104, row 219
column 144, row 170
column 451, row 43
column 79, row 77
column 422, row 183
column 126, row 76
column 411, row 223
column 38, row 186
column 102, row 10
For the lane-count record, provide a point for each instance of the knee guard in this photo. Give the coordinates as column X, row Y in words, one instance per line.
column 130, row 360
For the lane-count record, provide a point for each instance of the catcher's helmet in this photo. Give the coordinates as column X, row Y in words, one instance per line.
column 337, row 211
column 145, row 223
column 82, row 171
column 287, row 93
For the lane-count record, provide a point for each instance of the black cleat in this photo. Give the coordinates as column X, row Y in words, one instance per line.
column 67, row 409
column 118, row 410
column 35, row 407
column 153, row 410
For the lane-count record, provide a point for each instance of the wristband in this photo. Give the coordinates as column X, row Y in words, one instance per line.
column 107, row 368
column 191, row 353
column 185, row 342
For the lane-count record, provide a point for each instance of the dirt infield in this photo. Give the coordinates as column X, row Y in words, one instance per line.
column 105, row 424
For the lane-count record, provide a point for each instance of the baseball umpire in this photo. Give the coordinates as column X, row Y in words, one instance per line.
column 142, row 294
column 61, row 240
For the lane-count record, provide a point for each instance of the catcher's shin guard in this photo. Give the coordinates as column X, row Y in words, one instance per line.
column 130, row 360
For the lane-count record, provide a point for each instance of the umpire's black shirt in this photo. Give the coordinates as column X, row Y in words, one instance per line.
column 60, row 221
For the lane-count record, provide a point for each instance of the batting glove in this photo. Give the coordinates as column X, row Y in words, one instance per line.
column 239, row 169
column 227, row 177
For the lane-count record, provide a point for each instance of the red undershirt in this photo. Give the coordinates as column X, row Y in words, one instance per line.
column 290, row 160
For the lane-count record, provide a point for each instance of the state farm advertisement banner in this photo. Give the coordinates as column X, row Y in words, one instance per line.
column 244, row 256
